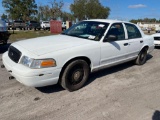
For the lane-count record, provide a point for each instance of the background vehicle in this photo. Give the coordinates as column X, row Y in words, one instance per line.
column 33, row 25
column 156, row 38
column 45, row 25
column 157, row 29
column 18, row 24
column 4, row 34
column 63, row 25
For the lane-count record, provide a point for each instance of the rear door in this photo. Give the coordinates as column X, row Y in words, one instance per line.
column 135, row 39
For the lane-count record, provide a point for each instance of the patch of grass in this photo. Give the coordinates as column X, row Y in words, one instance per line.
column 22, row 35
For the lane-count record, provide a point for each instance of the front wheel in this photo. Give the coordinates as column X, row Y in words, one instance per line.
column 142, row 57
column 75, row 75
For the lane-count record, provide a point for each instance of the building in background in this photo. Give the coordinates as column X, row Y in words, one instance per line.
column 149, row 26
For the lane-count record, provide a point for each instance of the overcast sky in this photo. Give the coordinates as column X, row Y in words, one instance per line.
column 120, row 9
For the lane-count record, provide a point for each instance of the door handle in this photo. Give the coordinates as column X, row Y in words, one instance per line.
column 141, row 41
column 125, row 44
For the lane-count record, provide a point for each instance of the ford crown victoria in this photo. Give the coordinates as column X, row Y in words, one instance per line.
column 69, row 58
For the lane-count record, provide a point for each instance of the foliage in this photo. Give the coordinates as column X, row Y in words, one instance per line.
column 51, row 11
column 67, row 16
column 4, row 16
column 89, row 9
column 151, row 20
column 20, row 9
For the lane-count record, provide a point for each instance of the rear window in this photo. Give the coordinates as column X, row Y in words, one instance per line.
column 33, row 22
column 18, row 21
column 45, row 22
column 132, row 31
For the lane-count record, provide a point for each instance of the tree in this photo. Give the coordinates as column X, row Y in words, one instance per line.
column 20, row 9
column 67, row 16
column 51, row 11
column 4, row 16
column 151, row 20
column 89, row 9
column 56, row 9
column 43, row 12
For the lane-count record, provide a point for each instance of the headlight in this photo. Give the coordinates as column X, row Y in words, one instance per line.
column 35, row 64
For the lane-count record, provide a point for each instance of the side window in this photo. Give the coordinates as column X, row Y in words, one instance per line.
column 132, row 31
column 116, row 30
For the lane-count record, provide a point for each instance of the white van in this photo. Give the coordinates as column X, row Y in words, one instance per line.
column 4, row 34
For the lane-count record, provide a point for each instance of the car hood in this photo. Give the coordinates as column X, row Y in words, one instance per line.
column 44, row 45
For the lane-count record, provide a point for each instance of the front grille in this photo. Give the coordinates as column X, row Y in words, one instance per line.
column 157, row 38
column 14, row 54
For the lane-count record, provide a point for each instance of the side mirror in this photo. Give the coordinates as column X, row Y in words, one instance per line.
column 110, row 38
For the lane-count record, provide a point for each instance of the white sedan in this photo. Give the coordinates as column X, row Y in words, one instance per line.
column 69, row 58
column 156, row 38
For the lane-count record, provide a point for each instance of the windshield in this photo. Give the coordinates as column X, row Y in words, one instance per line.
column 45, row 22
column 88, row 30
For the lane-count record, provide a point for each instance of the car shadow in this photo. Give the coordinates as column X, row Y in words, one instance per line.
column 4, row 48
column 111, row 70
column 50, row 89
column 93, row 76
column 156, row 115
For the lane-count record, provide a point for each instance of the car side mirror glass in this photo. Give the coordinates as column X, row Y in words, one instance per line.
column 110, row 38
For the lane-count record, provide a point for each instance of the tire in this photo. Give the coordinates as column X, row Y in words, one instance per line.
column 75, row 75
column 142, row 57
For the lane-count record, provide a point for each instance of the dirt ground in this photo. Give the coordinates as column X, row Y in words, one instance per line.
column 123, row 92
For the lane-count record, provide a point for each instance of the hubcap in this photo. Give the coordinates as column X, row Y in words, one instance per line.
column 77, row 75
column 143, row 56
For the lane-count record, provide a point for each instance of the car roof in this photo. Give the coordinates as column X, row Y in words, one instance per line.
column 107, row 20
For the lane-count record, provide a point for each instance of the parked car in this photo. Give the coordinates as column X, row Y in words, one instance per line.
column 156, row 38
column 8, row 24
column 70, row 57
column 18, row 24
column 45, row 25
column 157, row 31
column 4, row 34
column 33, row 25
column 63, row 25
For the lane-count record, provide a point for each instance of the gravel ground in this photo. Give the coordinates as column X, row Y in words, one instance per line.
column 123, row 92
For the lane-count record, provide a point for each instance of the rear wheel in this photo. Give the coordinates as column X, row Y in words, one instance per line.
column 75, row 75
column 142, row 57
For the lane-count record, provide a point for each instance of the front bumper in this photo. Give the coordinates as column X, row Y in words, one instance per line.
column 156, row 43
column 31, row 77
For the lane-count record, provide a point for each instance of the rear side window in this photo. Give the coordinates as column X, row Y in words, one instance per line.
column 133, row 31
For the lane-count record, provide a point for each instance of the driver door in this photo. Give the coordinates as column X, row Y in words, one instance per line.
column 115, row 46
